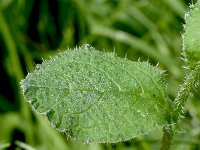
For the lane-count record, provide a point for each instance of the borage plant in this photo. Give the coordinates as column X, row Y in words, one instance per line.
column 97, row 97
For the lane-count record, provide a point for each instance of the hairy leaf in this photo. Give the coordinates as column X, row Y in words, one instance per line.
column 96, row 96
column 191, row 37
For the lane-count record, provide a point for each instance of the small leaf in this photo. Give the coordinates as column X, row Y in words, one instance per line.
column 191, row 37
column 96, row 96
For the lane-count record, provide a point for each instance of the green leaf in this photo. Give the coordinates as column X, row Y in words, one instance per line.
column 191, row 37
column 98, row 97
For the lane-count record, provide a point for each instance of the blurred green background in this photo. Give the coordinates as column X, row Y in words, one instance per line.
column 33, row 30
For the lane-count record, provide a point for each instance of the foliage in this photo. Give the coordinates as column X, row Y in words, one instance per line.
column 191, row 36
column 97, row 97
column 32, row 30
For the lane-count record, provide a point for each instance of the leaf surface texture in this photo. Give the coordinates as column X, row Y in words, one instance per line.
column 96, row 96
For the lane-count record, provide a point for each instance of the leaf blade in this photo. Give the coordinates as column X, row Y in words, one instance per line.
column 97, row 97
column 191, row 36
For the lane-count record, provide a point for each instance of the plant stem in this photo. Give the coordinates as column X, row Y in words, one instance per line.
column 167, row 137
column 188, row 89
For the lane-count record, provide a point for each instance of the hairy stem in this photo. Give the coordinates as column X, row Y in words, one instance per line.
column 167, row 138
column 188, row 89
